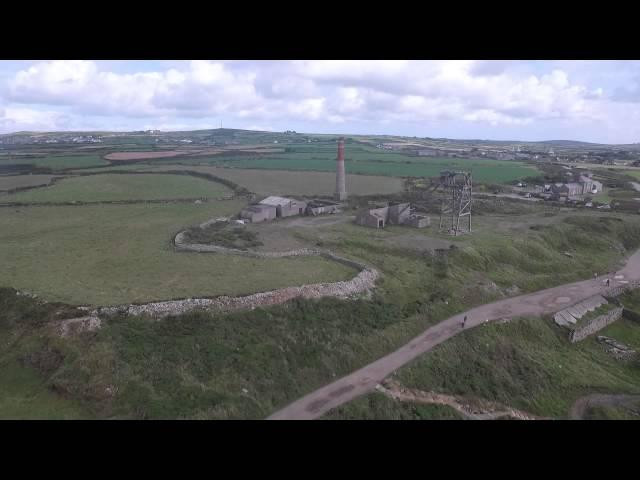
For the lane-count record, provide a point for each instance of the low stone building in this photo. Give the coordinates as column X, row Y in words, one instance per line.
column 399, row 213
column 392, row 214
column 285, row 207
column 374, row 217
column 567, row 189
column 418, row 221
column 319, row 207
column 428, row 152
column 258, row 213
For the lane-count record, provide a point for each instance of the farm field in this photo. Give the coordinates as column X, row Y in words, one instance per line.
column 113, row 254
column 282, row 182
column 57, row 162
column 142, row 155
column 483, row 170
column 109, row 187
column 10, row 182
column 359, row 159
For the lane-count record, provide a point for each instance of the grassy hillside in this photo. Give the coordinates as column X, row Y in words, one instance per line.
column 248, row 364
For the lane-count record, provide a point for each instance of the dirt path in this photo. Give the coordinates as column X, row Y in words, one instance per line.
column 364, row 380
column 470, row 409
column 580, row 407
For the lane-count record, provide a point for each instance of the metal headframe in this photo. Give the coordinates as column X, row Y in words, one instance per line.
column 456, row 204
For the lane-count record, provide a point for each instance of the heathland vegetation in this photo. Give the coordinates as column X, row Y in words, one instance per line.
column 247, row 364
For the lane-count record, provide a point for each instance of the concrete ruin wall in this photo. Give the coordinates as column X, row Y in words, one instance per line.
column 368, row 220
column 419, row 221
column 264, row 214
column 594, row 325
column 399, row 214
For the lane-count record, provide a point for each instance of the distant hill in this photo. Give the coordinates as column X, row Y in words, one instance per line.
column 255, row 136
column 568, row 143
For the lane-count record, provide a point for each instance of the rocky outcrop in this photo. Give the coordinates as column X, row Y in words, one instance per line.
column 473, row 409
column 619, row 350
column 74, row 326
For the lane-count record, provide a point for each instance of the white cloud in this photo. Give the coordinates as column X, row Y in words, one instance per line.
column 471, row 93
column 259, row 128
column 15, row 119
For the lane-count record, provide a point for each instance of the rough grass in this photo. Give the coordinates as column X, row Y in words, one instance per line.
column 112, row 254
column 197, row 365
column 24, row 392
column 224, row 235
column 25, row 396
column 602, row 412
column 377, row 406
column 527, row 363
column 109, row 187
column 10, row 182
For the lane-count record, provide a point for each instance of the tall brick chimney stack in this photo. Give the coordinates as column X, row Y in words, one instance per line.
column 341, row 189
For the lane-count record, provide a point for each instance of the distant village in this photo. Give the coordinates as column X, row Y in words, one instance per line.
column 603, row 157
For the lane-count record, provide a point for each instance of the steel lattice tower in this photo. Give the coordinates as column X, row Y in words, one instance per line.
column 456, row 204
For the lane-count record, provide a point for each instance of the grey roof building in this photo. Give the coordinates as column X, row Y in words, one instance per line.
column 285, row 207
column 258, row 213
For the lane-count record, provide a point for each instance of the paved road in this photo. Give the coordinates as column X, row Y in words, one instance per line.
column 365, row 380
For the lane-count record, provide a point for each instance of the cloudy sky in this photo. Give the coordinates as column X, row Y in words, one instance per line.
column 596, row 101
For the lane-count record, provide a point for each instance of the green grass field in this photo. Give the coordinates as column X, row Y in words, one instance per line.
column 58, row 162
column 397, row 165
column 360, row 159
column 113, row 254
column 108, row 187
column 9, row 182
column 282, row 182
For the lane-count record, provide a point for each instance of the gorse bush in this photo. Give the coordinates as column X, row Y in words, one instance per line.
column 224, row 235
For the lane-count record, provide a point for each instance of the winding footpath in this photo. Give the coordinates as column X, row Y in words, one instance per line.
column 363, row 381
column 580, row 407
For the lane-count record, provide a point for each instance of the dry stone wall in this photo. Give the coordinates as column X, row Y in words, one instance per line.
column 361, row 283
column 619, row 290
column 595, row 325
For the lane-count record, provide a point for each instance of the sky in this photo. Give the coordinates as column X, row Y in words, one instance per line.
column 593, row 101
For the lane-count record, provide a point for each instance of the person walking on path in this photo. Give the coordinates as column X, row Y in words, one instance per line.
column 608, row 281
column 464, row 321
